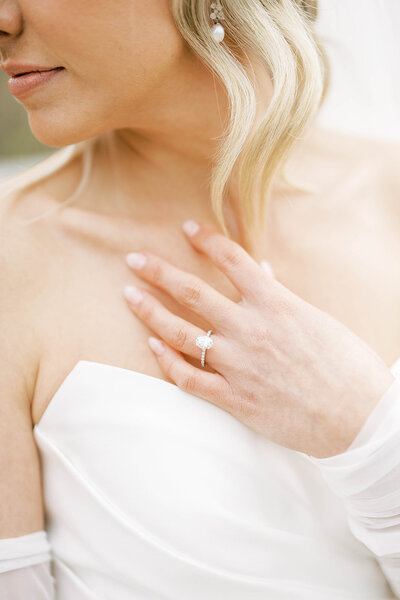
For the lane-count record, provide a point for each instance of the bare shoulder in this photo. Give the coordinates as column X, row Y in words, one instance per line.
column 22, row 276
column 22, row 244
column 25, row 273
column 387, row 175
column 361, row 169
column 28, row 228
column 352, row 216
column 20, row 289
column 380, row 160
column 40, row 188
column 380, row 156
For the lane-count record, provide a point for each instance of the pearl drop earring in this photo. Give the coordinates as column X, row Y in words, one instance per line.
column 217, row 15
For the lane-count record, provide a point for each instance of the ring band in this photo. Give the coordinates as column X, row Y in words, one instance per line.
column 204, row 342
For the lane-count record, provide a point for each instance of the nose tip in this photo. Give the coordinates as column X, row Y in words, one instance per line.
column 10, row 20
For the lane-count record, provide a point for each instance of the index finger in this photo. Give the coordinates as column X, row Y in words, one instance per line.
column 233, row 260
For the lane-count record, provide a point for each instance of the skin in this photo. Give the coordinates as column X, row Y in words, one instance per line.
column 333, row 253
column 168, row 106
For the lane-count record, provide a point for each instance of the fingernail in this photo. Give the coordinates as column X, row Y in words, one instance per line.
column 190, row 227
column 133, row 294
column 135, row 260
column 156, row 345
column 266, row 266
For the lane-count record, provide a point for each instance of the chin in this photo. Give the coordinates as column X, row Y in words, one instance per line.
column 58, row 132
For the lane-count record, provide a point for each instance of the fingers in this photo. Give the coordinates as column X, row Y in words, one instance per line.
column 188, row 289
column 197, row 381
column 233, row 260
column 267, row 267
column 177, row 332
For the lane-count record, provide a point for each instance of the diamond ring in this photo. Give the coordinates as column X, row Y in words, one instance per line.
column 204, row 342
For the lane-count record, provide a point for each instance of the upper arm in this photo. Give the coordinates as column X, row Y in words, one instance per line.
column 21, row 507
column 20, row 478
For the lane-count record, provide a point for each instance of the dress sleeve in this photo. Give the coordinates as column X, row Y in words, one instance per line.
column 367, row 477
column 25, row 568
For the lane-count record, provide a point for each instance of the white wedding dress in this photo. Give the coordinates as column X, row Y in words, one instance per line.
column 152, row 493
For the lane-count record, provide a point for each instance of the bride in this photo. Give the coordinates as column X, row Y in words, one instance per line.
column 209, row 411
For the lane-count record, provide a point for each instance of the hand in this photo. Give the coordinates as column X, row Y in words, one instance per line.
column 283, row 367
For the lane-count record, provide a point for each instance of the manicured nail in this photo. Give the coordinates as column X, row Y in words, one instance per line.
column 190, row 227
column 136, row 260
column 133, row 294
column 267, row 267
column 156, row 345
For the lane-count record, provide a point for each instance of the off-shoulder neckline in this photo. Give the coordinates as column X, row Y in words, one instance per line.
column 395, row 369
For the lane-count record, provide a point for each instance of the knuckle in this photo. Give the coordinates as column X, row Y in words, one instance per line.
column 222, row 397
column 156, row 272
column 189, row 294
column 260, row 336
column 180, row 338
column 247, row 407
column 282, row 305
column 147, row 308
column 187, row 383
column 230, row 258
column 171, row 369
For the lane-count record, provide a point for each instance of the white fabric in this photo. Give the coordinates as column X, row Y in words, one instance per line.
column 34, row 582
column 367, row 478
column 25, row 568
column 151, row 492
column 24, row 550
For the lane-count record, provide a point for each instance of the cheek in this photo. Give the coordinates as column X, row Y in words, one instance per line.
column 114, row 63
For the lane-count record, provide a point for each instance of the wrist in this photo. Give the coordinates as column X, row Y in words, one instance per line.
column 356, row 411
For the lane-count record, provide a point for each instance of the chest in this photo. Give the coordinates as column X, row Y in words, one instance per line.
column 85, row 314
column 343, row 266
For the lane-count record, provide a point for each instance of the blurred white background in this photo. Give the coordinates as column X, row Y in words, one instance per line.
column 363, row 43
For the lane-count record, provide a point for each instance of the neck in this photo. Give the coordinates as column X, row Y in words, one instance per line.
column 163, row 161
column 157, row 181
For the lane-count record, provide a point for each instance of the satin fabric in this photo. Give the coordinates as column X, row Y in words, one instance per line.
column 154, row 493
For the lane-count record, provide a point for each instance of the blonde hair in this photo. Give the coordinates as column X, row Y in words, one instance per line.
column 281, row 34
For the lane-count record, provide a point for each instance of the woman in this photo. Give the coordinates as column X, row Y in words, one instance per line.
column 206, row 469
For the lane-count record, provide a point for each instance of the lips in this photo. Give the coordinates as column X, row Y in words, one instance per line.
column 34, row 71
column 26, row 79
column 14, row 69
